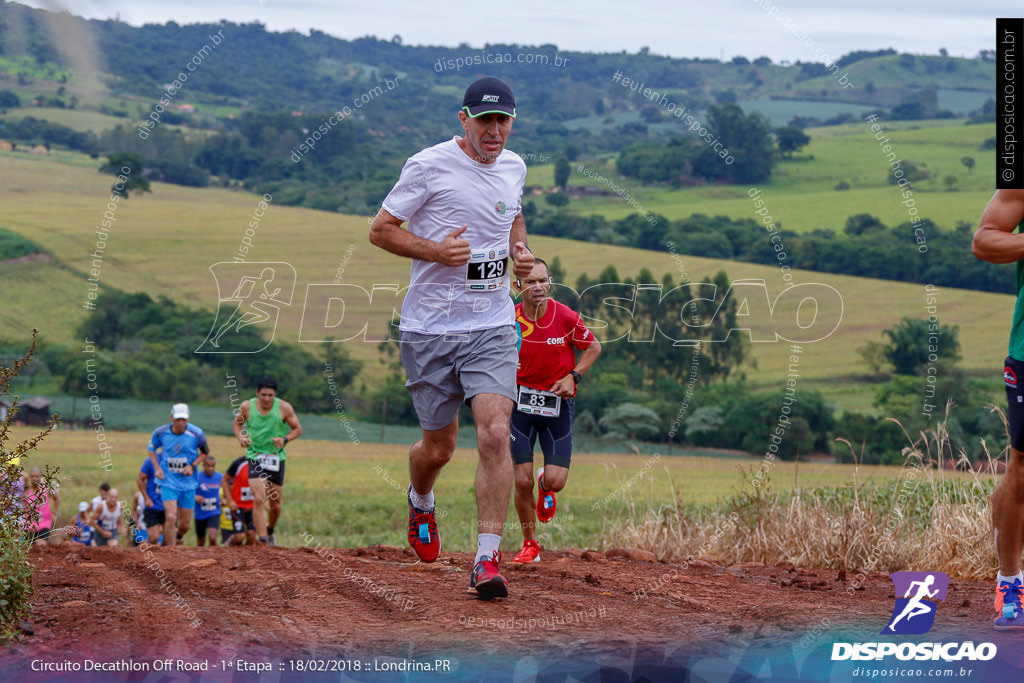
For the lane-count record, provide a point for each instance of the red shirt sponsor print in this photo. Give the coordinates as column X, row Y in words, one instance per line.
column 548, row 351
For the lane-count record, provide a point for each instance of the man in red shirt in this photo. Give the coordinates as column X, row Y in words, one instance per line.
column 547, row 375
column 240, row 500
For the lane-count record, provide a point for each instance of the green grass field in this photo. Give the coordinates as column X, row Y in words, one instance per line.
column 72, row 118
column 353, row 495
column 801, row 195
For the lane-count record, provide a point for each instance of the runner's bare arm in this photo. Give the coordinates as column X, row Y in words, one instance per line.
column 292, row 420
column 236, row 424
column 225, row 485
column 387, row 232
column 566, row 386
column 994, row 240
column 140, row 483
column 156, row 465
column 522, row 257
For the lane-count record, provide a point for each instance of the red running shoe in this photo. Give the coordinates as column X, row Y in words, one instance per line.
column 423, row 536
column 529, row 553
column 485, row 580
column 546, row 502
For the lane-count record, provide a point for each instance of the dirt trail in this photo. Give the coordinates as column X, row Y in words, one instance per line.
column 271, row 606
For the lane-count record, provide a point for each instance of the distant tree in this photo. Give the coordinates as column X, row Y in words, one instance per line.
column 629, row 421
column 740, row 61
column 910, row 171
column 651, row 113
column 556, row 270
column 704, row 424
column 944, row 52
column 558, row 200
column 9, row 99
column 763, row 61
column 969, row 163
column 137, row 180
column 748, row 138
column 862, row 223
column 949, row 181
column 790, row 139
column 562, row 171
column 873, row 355
column 908, row 348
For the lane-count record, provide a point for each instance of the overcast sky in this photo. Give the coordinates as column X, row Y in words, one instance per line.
column 723, row 28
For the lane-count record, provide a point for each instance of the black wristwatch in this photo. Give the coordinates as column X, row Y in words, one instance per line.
column 576, row 377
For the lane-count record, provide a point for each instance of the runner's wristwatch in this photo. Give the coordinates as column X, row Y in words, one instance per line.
column 576, row 377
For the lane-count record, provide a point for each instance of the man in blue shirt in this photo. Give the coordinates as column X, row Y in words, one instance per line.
column 153, row 514
column 208, row 502
column 181, row 446
column 83, row 532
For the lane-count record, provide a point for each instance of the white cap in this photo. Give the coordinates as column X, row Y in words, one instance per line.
column 179, row 411
column 83, row 506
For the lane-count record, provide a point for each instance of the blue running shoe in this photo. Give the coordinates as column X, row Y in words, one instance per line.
column 1009, row 613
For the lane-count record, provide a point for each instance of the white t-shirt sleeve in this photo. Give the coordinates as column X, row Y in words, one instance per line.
column 410, row 192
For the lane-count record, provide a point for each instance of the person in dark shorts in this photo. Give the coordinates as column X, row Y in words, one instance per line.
column 1000, row 239
column 462, row 200
column 207, row 515
column 153, row 512
column 263, row 426
column 239, row 496
column 551, row 334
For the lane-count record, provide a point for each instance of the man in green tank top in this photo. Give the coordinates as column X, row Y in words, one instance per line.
column 263, row 426
column 996, row 241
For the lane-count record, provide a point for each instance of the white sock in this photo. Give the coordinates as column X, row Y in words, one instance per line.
column 486, row 546
column 422, row 503
column 1000, row 578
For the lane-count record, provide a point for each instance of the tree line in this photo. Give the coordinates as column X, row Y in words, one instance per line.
column 866, row 247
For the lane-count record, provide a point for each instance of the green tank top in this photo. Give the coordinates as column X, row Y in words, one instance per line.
column 1017, row 331
column 263, row 428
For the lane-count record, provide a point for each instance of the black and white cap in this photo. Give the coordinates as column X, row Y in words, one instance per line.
column 488, row 96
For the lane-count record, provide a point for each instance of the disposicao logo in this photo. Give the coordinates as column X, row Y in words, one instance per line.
column 914, row 614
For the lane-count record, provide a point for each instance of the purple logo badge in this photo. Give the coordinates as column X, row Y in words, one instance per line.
column 917, row 594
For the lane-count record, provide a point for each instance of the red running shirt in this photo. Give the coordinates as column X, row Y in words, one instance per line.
column 240, row 489
column 547, row 353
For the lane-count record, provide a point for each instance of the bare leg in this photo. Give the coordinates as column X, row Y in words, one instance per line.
column 259, row 505
column 1008, row 515
column 184, row 522
column 170, row 521
column 494, row 471
column 526, row 503
column 428, row 455
column 274, row 501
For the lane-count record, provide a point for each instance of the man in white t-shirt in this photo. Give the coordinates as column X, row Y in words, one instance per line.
column 462, row 199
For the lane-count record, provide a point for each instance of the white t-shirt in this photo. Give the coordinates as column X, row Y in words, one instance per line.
column 108, row 518
column 440, row 190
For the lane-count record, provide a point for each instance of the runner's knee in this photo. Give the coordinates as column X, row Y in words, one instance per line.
column 492, row 439
column 555, row 481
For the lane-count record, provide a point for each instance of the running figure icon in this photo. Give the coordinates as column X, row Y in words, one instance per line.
column 916, row 607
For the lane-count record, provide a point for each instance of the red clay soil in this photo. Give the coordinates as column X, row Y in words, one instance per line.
column 271, row 604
